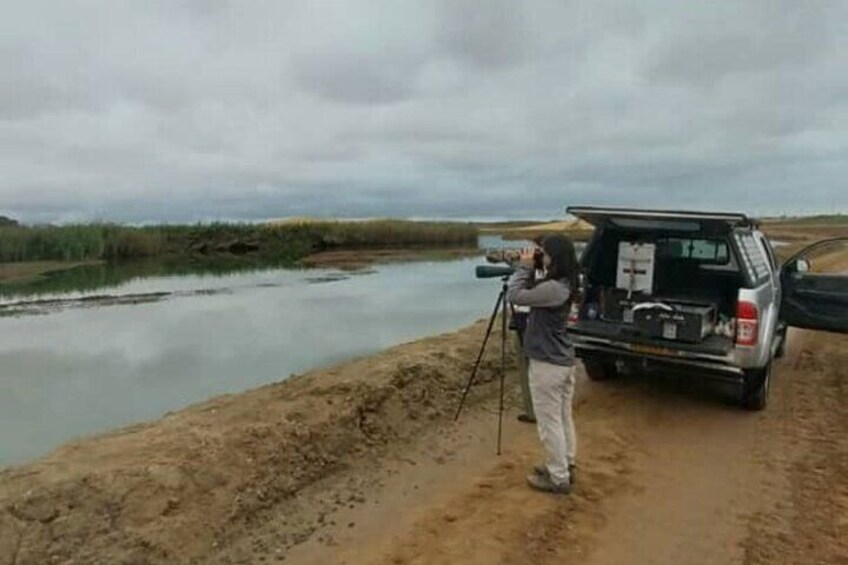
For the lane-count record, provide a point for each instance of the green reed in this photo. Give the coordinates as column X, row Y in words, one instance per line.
column 284, row 240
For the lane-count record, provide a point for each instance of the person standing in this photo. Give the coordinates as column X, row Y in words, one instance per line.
column 518, row 323
column 551, row 354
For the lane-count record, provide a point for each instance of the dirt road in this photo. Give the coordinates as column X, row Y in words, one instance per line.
column 669, row 473
column 363, row 463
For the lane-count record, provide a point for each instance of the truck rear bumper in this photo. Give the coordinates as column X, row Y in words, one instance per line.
column 719, row 366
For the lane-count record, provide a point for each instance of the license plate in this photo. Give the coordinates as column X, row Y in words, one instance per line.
column 669, row 330
column 627, row 315
column 650, row 349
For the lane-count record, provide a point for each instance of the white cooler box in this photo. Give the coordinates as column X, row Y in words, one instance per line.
column 635, row 272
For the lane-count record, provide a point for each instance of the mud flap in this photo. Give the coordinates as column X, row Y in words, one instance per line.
column 755, row 389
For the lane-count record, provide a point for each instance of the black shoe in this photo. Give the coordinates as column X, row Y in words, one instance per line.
column 526, row 418
column 545, row 484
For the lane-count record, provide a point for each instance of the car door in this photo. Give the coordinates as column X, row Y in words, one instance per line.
column 815, row 287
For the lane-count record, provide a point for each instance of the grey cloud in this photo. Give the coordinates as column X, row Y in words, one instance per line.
column 489, row 35
column 755, row 37
column 161, row 111
column 356, row 78
column 26, row 93
column 707, row 59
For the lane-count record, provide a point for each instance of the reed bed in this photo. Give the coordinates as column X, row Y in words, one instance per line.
column 293, row 240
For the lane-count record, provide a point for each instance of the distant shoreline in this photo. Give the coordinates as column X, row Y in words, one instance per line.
column 28, row 253
column 345, row 245
column 30, row 271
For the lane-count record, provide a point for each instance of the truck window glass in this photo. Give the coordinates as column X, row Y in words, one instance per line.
column 712, row 251
column 753, row 257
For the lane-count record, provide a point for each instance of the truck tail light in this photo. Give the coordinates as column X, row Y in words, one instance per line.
column 747, row 323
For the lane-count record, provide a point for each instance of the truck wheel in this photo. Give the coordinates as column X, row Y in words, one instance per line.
column 756, row 388
column 600, row 370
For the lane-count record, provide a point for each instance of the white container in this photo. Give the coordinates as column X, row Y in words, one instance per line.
column 635, row 272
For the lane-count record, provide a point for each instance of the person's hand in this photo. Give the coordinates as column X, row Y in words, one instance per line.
column 526, row 257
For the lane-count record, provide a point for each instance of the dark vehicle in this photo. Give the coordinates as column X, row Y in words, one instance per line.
column 698, row 292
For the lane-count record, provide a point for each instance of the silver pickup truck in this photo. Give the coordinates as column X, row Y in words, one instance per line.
column 699, row 292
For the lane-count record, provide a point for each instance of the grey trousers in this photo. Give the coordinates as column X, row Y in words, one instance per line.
column 552, row 389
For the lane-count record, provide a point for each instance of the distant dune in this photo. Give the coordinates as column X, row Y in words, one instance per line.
column 576, row 228
column 299, row 220
column 565, row 225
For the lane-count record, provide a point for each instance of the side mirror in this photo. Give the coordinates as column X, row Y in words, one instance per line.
column 797, row 266
column 826, row 257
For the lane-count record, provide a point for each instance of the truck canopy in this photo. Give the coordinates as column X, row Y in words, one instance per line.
column 661, row 220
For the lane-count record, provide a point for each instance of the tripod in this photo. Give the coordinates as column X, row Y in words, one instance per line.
column 500, row 304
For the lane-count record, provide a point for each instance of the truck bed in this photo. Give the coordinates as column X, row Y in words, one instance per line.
column 711, row 345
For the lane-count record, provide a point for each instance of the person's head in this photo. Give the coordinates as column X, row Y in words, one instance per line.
column 561, row 259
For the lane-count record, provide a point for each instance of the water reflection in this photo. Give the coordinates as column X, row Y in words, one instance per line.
column 119, row 276
column 89, row 278
column 81, row 370
column 170, row 340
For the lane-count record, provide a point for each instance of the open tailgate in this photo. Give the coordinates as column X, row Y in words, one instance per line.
column 665, row 220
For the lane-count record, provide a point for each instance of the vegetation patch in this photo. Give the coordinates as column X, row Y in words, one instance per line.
column 279, row 241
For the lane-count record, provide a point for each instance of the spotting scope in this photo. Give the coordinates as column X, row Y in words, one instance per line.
column 491, row 271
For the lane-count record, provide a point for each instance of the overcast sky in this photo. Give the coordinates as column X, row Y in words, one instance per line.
column 213, row 109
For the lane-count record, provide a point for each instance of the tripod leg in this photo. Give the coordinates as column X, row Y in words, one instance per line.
column 503, row 369
column 501, row 299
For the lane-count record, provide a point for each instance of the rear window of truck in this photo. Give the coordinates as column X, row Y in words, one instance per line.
column 697, row 250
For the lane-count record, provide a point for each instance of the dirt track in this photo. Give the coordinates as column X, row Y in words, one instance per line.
column 363, row 464
column 670, row 473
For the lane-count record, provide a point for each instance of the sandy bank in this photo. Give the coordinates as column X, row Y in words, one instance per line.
column 182, row 488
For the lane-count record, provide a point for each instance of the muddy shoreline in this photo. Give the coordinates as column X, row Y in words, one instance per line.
column 186, row 487
column 30, row 271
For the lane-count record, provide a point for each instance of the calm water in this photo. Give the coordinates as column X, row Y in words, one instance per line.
column 134, row 347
